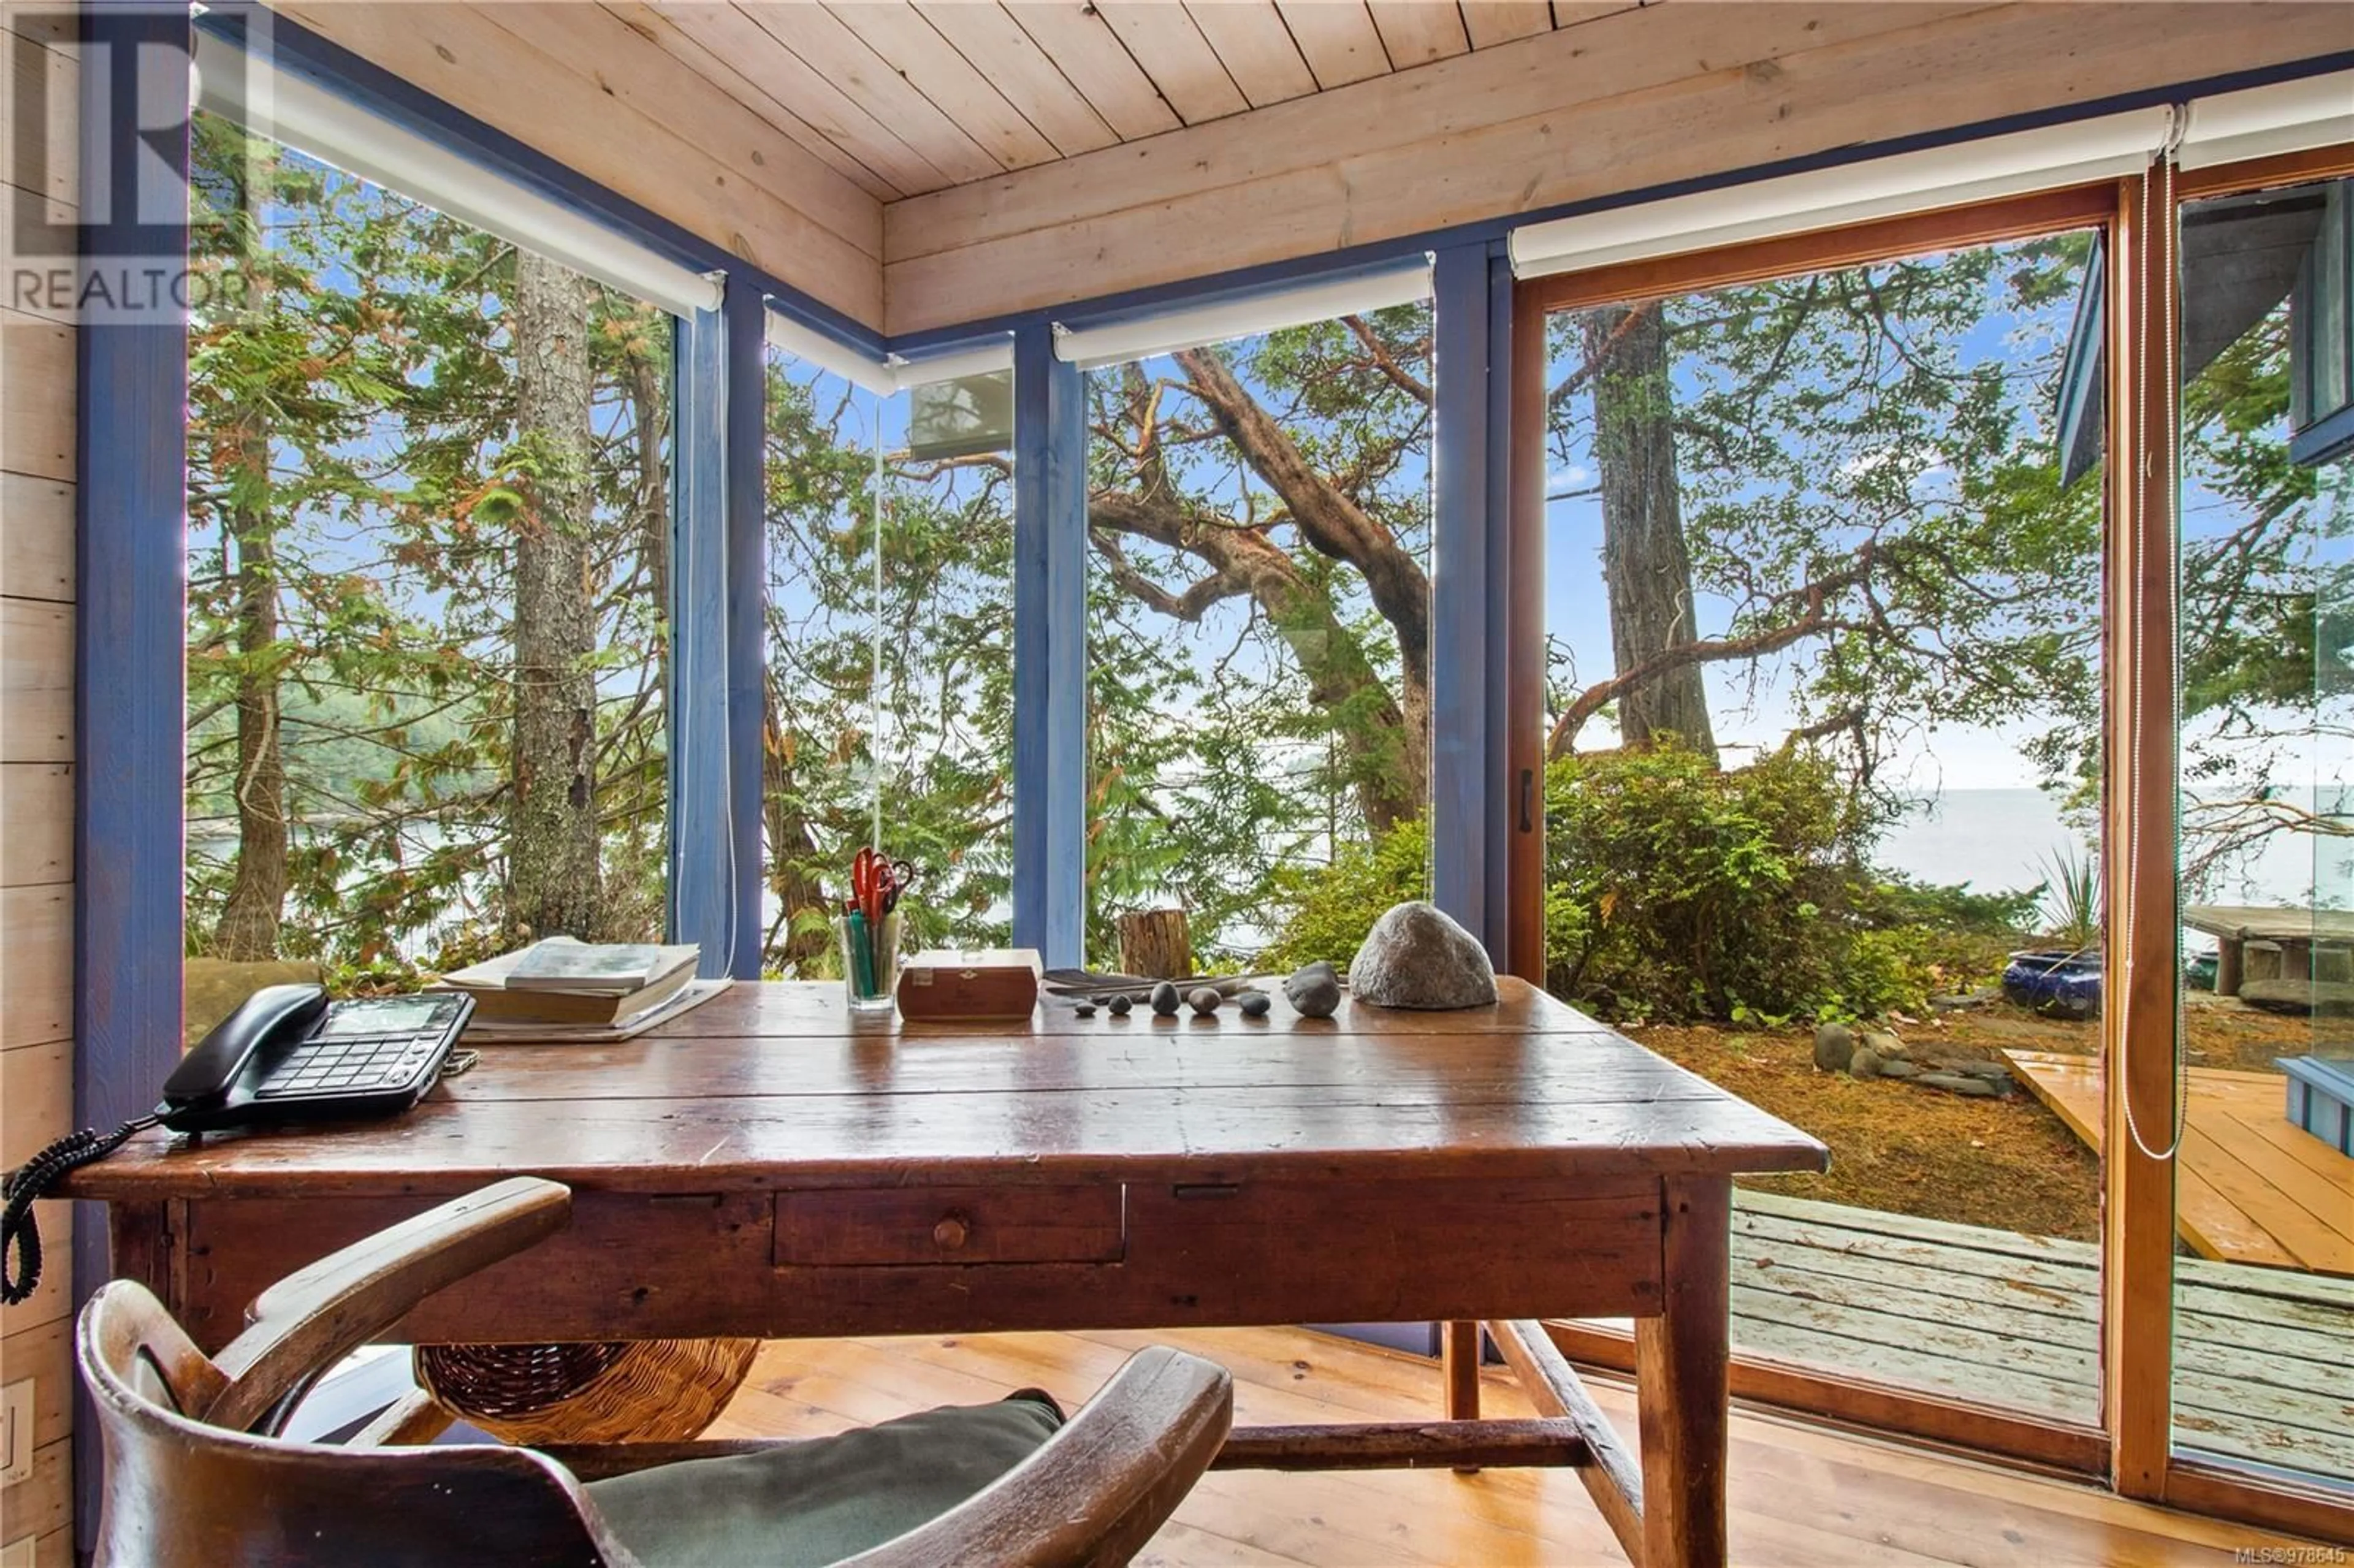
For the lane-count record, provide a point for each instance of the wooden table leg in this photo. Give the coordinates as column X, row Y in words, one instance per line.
column 1458, row 1366
column 1459, row 1363
column 1681, row 1359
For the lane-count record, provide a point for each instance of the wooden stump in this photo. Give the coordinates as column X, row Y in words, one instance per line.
column 1154, row 943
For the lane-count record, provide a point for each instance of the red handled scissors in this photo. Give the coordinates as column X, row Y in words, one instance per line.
column 876, row 883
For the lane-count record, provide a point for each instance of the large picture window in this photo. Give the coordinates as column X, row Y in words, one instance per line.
column 1259, row 624
column 888, row 716
column 1823, row 782
column 428, row 537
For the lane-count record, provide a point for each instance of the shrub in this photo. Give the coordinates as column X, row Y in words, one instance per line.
column 1332, row 907
column 1677, row 891
column 1691, row 891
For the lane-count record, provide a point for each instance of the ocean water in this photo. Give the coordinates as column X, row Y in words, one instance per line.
column 1998, row 840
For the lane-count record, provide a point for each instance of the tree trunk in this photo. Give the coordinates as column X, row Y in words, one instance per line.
column 1644, row 558
column 1154, row 943
column 1385, row 742
column 247, row 929
column 799, row 941
column 552, row 833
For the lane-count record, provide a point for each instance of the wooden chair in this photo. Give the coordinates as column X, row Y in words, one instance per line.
column 196, row 1477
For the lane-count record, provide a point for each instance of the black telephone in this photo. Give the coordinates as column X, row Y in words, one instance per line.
column 286, row 1054
column 290, row 1054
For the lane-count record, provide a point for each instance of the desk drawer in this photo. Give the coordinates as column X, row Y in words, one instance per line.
column 882, row 1227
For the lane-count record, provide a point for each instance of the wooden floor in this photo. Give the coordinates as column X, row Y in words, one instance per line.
column 2251, row 1188
column 2265, row 1357
column 1802, row 1498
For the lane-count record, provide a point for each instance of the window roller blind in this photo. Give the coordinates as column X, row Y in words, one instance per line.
column 235, row 85
column 1853, row 193
column 1142, row 337
column 2284, row 117
column 884, row 376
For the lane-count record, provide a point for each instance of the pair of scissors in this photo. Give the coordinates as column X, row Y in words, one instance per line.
column 876, row 883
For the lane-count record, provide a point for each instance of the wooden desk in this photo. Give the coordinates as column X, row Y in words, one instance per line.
column 763, row 1166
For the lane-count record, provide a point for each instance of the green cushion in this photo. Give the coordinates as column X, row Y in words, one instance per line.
column 803, row 1505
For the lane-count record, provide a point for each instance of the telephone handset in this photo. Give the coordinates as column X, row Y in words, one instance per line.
column 290, row 1054
column 206, row 1077
column 286, row 1054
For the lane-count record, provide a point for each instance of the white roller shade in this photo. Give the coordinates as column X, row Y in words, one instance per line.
column 2286, row 117
column 238, row 86
column 1142, row 337
column 1997, row 166
column 978, row 361
column 883, row 376
column 868, row 373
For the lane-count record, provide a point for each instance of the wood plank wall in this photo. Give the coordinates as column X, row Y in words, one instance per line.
column 611, row 99
column 36, row 799
column 1628, row 101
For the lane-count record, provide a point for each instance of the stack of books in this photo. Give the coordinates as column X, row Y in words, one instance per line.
column 562, row 988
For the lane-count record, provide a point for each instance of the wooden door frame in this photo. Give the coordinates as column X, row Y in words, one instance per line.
column 2132, row 1447
column 2139, row 1336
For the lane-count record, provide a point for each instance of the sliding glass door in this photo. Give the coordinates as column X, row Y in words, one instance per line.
column 1822, row 784
column 2263, row 1139
column 1948, row 744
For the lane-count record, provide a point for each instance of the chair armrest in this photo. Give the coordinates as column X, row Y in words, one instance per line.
column 1096, row 1491
column 306, row 1322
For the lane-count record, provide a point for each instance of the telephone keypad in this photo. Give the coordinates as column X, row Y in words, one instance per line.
column 360, row 1064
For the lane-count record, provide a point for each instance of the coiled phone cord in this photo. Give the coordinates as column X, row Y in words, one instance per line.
column 20, row 1233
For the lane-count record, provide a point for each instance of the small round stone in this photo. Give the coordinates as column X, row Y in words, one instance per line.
column 1164, row 1000
column 1085, row 1010
column 1206, row 1000
column 1255, row 1003
column 1119, row 1006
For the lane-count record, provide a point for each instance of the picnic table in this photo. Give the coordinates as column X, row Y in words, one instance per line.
column 2285, row 936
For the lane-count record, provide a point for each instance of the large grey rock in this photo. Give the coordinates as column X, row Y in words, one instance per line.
column 1314, row 991
column 1864, row 1063
column 1834, row 1044
column 1416, row 955
column 1958, row 1083
column 1899, row 1068
column 1885, row 1045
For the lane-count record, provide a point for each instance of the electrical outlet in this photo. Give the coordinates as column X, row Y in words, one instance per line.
column 18, row 1553
column 15, row 1433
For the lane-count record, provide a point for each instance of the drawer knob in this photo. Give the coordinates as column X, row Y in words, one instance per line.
column 950, row 1234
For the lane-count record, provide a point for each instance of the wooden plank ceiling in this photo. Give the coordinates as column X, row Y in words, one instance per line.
column 902, row 97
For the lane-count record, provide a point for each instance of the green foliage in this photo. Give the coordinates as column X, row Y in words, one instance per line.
column 1677, row 891
column 907, row 692
column 354, row 456
column 1331, row 910
column 2071, row 903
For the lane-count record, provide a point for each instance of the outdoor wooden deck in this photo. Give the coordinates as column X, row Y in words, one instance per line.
column 2251, row 1187
column 2264, row 1358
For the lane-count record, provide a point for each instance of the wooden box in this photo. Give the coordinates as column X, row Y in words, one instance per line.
column 992, row 983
